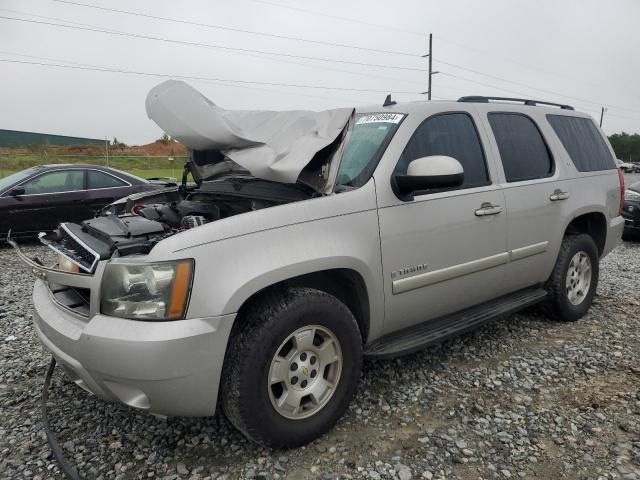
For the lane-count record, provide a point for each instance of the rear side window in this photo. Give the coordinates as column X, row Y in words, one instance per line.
column 523, row 151
column 103, row 180
column 583, row 143
column 451, row 134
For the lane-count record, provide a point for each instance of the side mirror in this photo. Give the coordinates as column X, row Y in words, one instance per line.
column 436, row 171
column 15, row 191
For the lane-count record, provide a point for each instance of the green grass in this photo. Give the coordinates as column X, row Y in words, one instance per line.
column 145, row 167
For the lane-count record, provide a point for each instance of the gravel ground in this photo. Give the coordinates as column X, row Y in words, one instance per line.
column 523, row 397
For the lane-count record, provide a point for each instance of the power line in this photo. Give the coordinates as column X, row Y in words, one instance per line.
column 387, row 27
column 189, row 77
column 337, row 17
column 532, row 87
column 209, row 45
column 280, row 60
column 239, row 30
column 212, row 82
column 482, row 83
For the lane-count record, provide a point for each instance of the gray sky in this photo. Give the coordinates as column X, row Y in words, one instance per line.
column 580, row 52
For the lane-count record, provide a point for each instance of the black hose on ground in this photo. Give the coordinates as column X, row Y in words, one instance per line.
column 65, row 466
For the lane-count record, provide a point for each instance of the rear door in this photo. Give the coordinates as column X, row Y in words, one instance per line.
column 50, row 198
column 440, row 253
column 536, row 195
column 104, row 188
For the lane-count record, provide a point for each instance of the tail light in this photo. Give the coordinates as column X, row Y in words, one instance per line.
column 621, row 177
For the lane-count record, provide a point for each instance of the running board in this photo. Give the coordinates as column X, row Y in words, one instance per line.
column 419, row 336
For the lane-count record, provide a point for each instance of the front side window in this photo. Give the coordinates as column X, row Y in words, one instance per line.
column 98, row 179
column 453, row 135
column 523, row 151
column 583, row 143
column 369, row 137
column 55, row 182
column 15, row 178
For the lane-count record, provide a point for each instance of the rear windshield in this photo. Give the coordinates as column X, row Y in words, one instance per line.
column 583, row 142
column 370, row 136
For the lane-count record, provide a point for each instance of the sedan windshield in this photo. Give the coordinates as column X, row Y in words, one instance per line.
column 370, row 135
column 14, row 178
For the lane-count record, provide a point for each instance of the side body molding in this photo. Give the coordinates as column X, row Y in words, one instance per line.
column 429, row 278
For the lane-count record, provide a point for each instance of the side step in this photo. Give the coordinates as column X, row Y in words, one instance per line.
column 419, row 336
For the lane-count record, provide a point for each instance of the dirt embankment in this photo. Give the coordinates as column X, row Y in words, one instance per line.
column 157, row 148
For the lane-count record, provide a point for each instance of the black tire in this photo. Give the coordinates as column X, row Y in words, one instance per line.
column 558, row 305
column 256, row 338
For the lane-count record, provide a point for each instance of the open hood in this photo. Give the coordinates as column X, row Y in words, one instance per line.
column 271, row 145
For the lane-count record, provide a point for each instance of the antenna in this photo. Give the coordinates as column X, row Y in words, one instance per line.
column 388, row 102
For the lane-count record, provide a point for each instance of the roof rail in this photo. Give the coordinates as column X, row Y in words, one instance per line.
column 533, row 103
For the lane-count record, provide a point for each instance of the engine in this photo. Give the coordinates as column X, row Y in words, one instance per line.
column 180, row 215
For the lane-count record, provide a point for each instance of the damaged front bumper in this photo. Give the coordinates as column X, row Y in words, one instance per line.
column 166, row 368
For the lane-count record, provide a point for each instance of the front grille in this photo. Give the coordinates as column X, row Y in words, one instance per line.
column 75, row 299
column 75, row 251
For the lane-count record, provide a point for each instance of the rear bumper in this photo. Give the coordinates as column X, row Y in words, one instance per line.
column 614, row 234
column 167, row 368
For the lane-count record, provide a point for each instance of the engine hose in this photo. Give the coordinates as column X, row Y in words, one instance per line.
column 65, row 466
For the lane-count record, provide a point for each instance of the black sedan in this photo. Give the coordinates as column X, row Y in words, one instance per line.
column 631, row 209
column 39, row 198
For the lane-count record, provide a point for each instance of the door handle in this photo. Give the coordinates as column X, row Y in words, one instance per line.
column 559, row 195
column 488, row 209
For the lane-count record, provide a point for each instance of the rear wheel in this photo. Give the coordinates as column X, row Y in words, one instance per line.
column 574, row 279
column 292, row 366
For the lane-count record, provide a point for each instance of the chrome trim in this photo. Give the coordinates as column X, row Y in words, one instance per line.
column 449, row 273
column 529, row 250
column 128, row 184
column 96, row 256
column 424, row 279
column 79, row 280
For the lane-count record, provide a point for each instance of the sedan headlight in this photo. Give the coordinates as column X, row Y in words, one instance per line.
column 147, row 291
column 632, row 195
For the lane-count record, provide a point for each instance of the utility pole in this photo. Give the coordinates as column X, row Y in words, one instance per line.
column 602, row 115
column 431, row 72
column 106, row 150
column 430, row 63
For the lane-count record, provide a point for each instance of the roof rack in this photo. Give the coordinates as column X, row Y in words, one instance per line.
column 525, row 101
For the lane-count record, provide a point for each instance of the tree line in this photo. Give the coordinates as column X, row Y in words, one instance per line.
column 626, row 146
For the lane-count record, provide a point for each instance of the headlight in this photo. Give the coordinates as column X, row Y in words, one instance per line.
column 632, row 195
column 67, row 265
column 147, row 291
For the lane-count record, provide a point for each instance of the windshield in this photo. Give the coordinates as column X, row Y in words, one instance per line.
column 370, row 135
column 14, row 178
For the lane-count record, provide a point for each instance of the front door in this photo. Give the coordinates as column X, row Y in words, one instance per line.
column 49, row 198
column 444, row 251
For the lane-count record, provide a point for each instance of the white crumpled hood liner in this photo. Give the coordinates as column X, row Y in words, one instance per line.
column 271, row 145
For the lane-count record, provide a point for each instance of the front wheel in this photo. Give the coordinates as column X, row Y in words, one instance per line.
column 292, row 366
column 574, row 279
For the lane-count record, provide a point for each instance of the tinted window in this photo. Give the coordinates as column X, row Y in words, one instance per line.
column 583, row 143
column 103, row 180
column 451, row 134
column 59, row 181
column 523, row 152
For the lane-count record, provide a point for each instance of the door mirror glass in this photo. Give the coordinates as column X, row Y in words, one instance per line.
column 436, row 171
column 15, row 191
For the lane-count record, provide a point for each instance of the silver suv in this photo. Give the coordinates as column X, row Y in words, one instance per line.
column 313, row 239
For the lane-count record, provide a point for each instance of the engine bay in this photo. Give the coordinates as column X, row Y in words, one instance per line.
column 134, row 225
